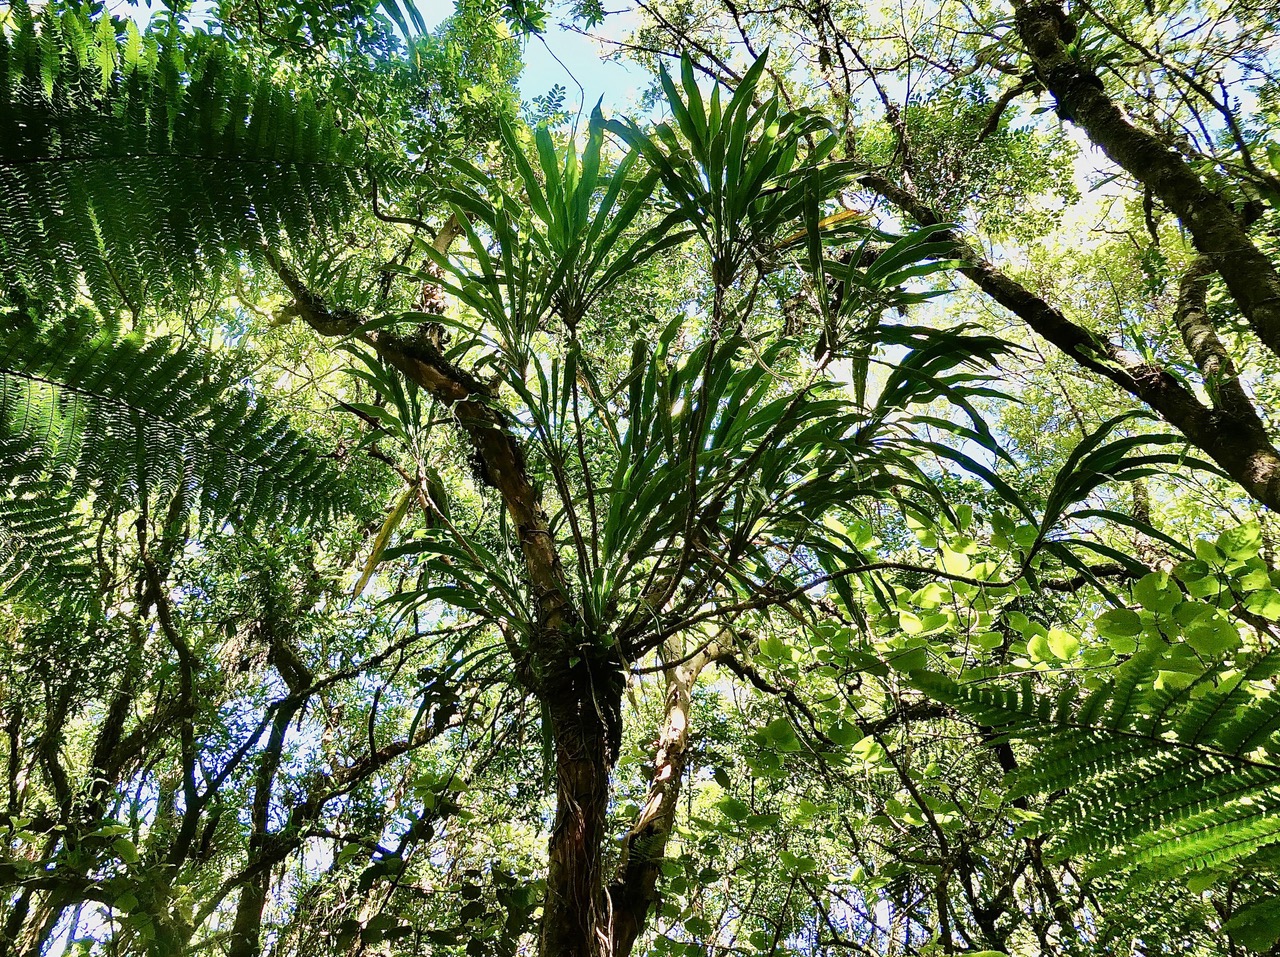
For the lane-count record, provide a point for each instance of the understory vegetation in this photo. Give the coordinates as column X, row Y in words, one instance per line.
column 829, row 508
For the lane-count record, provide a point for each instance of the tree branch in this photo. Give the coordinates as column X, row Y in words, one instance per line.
column 482, row 422
column 1240, row 446
column 1215, row 227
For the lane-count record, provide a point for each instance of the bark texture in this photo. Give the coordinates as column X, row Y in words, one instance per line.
column 633, row 892
column 575, row 921
column 1216, row 228
column 1231, row 434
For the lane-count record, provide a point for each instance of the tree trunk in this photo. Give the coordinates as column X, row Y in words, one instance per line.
column 246, row 933
column 246, row 930
column 585, row 706
column 634, row 889
column 41, row 919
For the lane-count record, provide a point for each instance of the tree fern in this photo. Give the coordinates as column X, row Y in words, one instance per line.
column 86, row 413
column 1154, row 773
column 41, row 539
column 135, row 165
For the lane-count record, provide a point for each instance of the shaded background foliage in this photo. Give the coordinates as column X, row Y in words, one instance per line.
column 672, row 554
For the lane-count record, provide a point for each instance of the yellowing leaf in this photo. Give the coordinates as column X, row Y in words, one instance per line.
column 380, row 543
column 1062, row 644
column 953, row 562
column 910, row 623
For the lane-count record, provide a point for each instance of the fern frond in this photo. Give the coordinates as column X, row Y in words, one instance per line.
column 1154, row 781
column 136, row 166
column 41, row 536
column 86, row 413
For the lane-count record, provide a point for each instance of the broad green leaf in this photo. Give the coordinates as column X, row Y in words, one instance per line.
column 1213, row 635
column 1157, row 592
column 1063, row 644
column 1038, row 648
column 1242, row 542
column 1119, row 623
column 869, row 752
column 125, row 850
column 1265, row 603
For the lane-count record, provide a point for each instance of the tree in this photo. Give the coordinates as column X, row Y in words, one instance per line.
column 651, row 401
column 1187, row 147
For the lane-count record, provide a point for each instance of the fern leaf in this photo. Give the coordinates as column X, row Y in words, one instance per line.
column 1139, row 778
column 88, row 413
column 138, row 176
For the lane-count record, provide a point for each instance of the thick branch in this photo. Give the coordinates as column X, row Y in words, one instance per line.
column 500, row 455
column 634, row 889
column 1191, row 316
column 997, row 110
column 1238, row 444
column 1214, row 225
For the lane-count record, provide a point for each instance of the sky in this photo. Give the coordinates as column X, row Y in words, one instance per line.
column 570, row 59
column 560, row 56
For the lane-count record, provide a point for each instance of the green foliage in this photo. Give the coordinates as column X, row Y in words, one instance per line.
column 723, row 453
column 148, row 165
column 87, row 412
column 738, row 172
column 966, row 173
column 716, row 452
column 1108, row 455
column 460, row 88
column 1165, row 767
column 559, row 246
column 692, row 406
